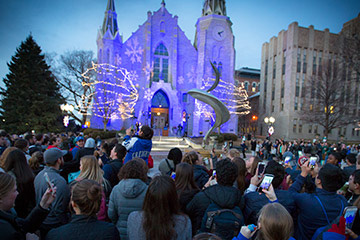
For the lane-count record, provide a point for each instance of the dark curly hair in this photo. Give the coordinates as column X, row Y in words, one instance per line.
column 136, row 168
column 226, row 172
column 278, row 171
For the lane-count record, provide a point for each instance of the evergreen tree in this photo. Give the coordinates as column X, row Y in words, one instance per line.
column 31, row 98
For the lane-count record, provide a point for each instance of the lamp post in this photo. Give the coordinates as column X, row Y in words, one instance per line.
column 270, row 121
column 66, row 108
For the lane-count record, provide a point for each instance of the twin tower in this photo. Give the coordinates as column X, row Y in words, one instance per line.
column 158, row 64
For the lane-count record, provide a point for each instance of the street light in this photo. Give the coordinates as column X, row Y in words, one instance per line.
column 67, row 107
column 270, row 121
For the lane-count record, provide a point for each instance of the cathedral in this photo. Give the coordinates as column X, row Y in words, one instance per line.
column 145, row 79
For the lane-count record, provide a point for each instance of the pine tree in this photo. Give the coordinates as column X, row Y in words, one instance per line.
column 31, row 97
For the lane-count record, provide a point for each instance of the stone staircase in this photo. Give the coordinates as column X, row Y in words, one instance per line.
column 164, row 144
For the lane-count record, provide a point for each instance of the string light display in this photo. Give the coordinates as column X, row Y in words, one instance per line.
column 115, row 92
column 234, row 97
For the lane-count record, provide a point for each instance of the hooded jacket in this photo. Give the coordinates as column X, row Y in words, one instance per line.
column 226, row 197
column 137, row 147
column 126, row 197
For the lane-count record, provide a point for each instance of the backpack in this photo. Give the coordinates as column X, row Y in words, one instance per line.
column 225, row 223
column 169, row 173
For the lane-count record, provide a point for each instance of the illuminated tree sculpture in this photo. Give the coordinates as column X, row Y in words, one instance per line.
column 234, row 97
column 115, row 93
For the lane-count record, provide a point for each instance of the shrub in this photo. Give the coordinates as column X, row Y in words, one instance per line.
column 99, row 132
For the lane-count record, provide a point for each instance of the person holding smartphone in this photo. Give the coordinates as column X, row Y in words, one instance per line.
column 255, row 200
column 322, row 207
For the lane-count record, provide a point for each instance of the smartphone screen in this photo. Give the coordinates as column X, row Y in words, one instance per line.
column 47, row 179
column 312, row 162
column 300, row 153
column 349, row 215
column 261, row 168
column 287, row 159
column 214, row 173
column 265, row 184
column 173, row 175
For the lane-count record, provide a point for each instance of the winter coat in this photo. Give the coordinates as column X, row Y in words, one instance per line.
column 164, row 167
column 242, row 237
column 59, row 208
column 311, row 214
column 224, row 196
column 111, row 170
column 184, row 198
column 254, row 201
column 137, row 147
column 201, row 175
column 126, row 197
column 12, row 227
column 82, row 227
column 136, row 230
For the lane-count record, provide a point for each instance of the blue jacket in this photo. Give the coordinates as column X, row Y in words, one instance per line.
column 311, row 214
column 201, row 176
column 137, row 147
column 254, row 201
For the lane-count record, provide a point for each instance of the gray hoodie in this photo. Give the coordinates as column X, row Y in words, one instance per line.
column 127, row 196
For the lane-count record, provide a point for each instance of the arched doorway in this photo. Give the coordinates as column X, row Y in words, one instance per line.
column 160, row 113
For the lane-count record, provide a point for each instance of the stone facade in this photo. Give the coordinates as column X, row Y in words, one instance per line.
column 287, row 61
column 165, row 65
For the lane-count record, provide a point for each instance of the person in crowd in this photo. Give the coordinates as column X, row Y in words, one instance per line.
column 39, row 138
column 201, row 175
column 11, row 225
column 79, row 144
column 254, row 200
column 4, row 156
column 145, row 224
column 354, row 186
column 243, row 149
column 86, row 198
column 112, row 168
column 128, row 195
column 275, row 223
column 103, row 154
column 233, row 153
column 334, row 158
column 186, row 187
column 45, row 143
column 3, row 141
column 168, row 165
column 223, row 193
column 90, row 169
column 59, row 211
column 15, row 164
column 251, row 166
column 36, row 162
column 240, row 179
column 23, row 145
column 253, row 147
column 89, row 149
column 320, row 208
column 32, row 142
column 351, row 164
column 54, row 142
column 139, row 145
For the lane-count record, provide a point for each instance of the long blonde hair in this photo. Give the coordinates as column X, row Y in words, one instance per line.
column 275, row 223
column 90, row 169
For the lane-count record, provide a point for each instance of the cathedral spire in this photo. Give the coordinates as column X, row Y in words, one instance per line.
column 163, row 3
column 110, row 21
column 214, row 7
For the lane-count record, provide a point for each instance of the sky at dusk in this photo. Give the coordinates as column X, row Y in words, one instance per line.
column 63, row 25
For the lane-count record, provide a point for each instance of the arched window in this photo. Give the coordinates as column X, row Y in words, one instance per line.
column 253, row 87
column 160, row 100
column 220, row 67
column 246, row 86
column 161, row 64
column 162, row 27
column 215, row 65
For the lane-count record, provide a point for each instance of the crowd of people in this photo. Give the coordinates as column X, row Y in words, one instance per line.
column 71, row 186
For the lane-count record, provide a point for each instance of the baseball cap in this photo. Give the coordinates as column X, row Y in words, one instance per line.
column 53, row 154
